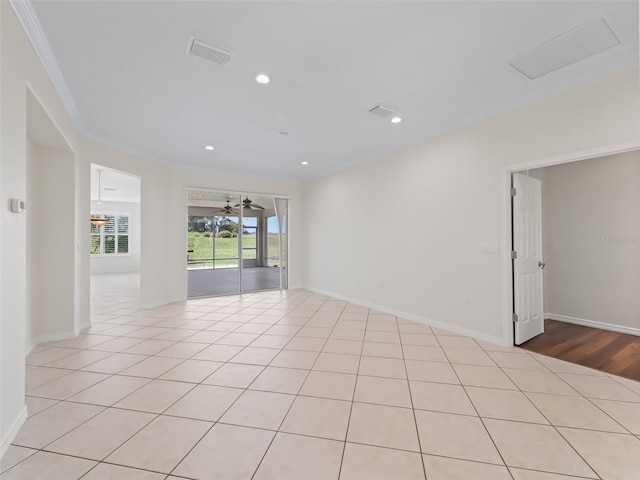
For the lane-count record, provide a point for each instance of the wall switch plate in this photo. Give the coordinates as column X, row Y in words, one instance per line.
column 18, row 206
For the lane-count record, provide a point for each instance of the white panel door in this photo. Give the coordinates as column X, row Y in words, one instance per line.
column 528, row 264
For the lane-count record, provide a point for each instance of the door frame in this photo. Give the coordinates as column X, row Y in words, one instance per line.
column 506, row 265
column 241, row 193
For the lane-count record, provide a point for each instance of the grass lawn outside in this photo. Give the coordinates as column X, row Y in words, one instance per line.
column 226, row 250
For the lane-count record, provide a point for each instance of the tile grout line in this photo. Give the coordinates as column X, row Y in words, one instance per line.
column 476, row 410
column 223, row 413
column 353, row 395
column 280, row 350
column 413, row 410
column 550, row 423
column 288, row 410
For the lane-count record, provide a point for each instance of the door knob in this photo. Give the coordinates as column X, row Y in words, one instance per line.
column 541, row 265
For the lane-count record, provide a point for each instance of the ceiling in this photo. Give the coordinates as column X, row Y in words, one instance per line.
column 117, row 186
column 440, row 64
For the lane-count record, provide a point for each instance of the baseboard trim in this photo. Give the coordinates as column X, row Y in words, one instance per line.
column 50, row 337
column 13, row 431
column 410, row 316
column 162, row 303
column 593, row 323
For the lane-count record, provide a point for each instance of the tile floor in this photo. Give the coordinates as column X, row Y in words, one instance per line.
column 295, row 385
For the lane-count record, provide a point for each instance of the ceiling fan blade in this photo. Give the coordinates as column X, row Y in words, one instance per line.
column 226, row 210
column 236, row 205
column 256, row 206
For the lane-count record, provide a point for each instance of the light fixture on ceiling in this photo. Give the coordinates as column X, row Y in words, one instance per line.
column 227, row 209
column 566, row 49
column 262, row 78
column 209, row 148
column 248, row 204
column 283, row 134
column 99, row 219
column 304, row 163
column 396, row 119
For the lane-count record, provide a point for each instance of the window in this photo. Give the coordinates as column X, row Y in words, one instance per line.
column 249, row 231
column 112, row 238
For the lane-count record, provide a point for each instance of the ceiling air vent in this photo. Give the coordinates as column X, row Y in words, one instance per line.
column 570, row 47
column 208, row 52
column 382, row 111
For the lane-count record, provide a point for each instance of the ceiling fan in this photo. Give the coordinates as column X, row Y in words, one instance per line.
column 227, row 210
column 249, row 205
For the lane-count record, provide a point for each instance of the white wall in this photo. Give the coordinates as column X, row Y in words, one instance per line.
column 51, row 253
column 6, row 432
column 20, row 70
column 164, row 203
column 591, row 241
column 436, row 204
column 163, row 214
column 120, row 263
column 448, row 188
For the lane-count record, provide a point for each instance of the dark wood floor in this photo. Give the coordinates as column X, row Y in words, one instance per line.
column 611, row 352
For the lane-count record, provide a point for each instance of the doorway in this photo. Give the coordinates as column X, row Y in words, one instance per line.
column 53, row 303
column 506, row 226
column 236, row 242
column 591, row 239
column 115, row 246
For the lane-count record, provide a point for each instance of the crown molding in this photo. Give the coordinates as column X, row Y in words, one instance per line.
column 32, row 28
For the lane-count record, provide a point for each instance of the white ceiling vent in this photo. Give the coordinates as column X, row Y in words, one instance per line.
column 208, row 52
column 382, row 110
column 570, row 47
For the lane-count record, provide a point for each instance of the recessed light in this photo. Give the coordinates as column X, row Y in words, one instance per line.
column 304, row 163
column 209, row 147
column 263, row 78
column 396, row 120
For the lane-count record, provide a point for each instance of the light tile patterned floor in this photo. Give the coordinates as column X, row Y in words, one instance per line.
column 294, row 385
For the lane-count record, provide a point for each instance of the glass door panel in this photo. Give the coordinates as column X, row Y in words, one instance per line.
column 257, row 273
column 249, row 241
column 235, row 243
column 273, row 242
column 199, row 243
column 225, row 244
column 213, row 240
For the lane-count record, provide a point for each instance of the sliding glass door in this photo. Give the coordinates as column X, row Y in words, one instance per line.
column 213, row 244
column 236, row 243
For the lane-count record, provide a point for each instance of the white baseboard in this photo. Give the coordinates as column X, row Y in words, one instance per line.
column 162, row 303
column 13, row 431
column 409, row 316
column 50, row 337
column 592, row 323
